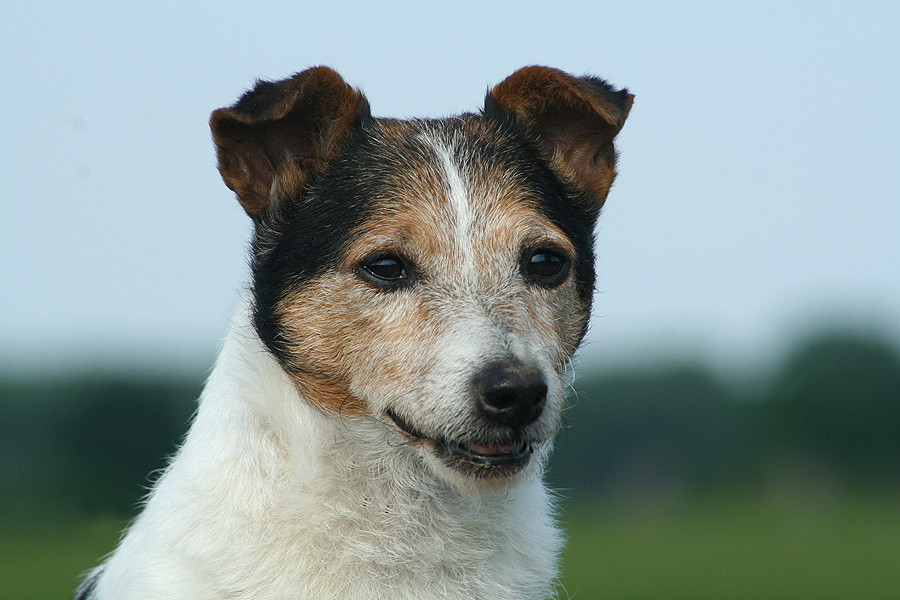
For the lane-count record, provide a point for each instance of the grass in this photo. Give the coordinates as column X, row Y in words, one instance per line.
column 44, row 553
column 733, row 549
column 720, row 549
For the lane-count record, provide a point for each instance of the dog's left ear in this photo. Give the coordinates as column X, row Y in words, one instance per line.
column 573, row 119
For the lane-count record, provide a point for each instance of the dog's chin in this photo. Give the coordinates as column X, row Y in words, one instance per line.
column 485, row 461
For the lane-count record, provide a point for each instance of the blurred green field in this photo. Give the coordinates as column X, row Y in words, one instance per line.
column 720, row 549
column 734, row 549
column 44, row 553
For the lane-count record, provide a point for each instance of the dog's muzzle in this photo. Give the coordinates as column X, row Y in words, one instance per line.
column 508, row 397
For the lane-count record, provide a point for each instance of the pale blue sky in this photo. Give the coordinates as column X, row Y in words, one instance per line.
column 758, row 188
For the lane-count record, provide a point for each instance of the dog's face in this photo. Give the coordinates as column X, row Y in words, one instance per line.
column 433, row 275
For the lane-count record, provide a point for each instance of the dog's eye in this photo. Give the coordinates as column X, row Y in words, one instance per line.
column 385, row 270
column 546, row 266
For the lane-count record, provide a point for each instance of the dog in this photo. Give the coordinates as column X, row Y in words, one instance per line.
column 378, row 421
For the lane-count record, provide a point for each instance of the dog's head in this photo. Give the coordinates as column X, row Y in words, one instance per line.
column 432, row 275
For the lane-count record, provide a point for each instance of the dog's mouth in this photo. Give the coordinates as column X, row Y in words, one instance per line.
column 478, row 459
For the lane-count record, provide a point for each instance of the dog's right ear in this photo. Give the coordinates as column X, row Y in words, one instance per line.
column 279, row 134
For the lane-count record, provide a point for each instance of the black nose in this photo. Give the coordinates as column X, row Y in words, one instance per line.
column 511, row 394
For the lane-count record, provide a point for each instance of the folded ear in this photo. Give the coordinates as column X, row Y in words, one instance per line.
column 574, row 119
column 280, row 133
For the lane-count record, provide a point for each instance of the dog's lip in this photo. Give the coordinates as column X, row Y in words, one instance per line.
column 486, row 454
column 405, row 427
column 492, row 454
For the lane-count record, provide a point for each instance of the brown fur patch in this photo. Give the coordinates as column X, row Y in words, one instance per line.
column 338, row 329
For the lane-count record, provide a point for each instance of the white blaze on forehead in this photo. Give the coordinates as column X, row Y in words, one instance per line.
column 458, row 197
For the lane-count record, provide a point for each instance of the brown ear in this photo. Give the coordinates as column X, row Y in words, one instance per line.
column 280, row 133
column 573, row 119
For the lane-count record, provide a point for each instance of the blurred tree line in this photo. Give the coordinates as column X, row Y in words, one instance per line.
column 830, row 415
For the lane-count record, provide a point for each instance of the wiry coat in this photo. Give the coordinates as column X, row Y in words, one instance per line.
column 377, row 423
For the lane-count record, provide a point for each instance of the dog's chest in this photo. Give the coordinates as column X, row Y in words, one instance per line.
column 356, row 539
column 415, row 548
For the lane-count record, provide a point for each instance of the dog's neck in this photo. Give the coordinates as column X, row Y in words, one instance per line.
column 344, row 509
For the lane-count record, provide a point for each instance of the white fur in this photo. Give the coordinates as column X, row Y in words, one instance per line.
column 270, row 498
column 460, row 202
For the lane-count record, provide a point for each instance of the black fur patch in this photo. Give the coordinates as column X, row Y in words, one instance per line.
column 310, row 233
